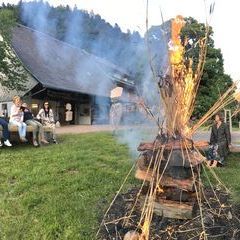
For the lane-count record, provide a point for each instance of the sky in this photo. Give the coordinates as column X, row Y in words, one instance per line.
column 131, row 14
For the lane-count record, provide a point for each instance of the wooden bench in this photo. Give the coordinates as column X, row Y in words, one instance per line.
column 14, row 129
column 235, row 148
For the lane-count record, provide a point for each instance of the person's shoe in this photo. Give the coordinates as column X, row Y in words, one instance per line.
column 44, row 141
column 35, row 143
column 1, row 144
column 215, row 162
column 209, row 163
column 220, row 164
column 23, row 139
column 55, row 141
column 7, row 143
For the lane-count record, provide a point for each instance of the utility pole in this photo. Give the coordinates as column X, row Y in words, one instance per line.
column 228, row 118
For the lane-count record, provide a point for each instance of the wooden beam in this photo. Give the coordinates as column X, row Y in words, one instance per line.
column 14, row 128
column 177, row 158
column 172, row 145
column 235, row 148
column 166, row 181
column 172, row 209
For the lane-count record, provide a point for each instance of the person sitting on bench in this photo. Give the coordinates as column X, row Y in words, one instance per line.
column 46, row 117
column 6, row 134
column 16, row 118
column 37, row 126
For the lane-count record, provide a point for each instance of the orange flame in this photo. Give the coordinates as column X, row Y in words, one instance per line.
column 183, row 81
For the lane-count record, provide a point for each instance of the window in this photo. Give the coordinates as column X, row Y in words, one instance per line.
column 4, row 110
column 34, row 106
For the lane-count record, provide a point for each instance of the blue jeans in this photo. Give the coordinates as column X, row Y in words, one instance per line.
column 4, row 124
column 22, row 128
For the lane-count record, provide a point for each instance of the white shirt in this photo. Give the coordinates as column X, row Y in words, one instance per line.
column 15, row 115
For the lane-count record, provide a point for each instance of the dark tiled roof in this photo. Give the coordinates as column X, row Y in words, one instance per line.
column 58, row 65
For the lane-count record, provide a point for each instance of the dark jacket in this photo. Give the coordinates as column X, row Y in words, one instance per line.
column 27, row 115
column 222, row 137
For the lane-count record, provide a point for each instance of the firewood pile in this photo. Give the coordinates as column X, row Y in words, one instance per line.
column 179, row 170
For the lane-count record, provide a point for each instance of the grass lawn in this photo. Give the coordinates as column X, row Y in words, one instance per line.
column 60, row 191
column 230, row 175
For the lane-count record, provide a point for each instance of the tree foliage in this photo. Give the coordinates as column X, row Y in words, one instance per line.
column 214, row 81
column 12, row 73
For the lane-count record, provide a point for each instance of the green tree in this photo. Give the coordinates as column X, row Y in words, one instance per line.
column 214, row 81
column 12, row 73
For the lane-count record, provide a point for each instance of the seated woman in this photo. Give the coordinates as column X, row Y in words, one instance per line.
column 37, row 126
column 46, row 117
column 220, row 141
column 16, row 118
column 6, row 134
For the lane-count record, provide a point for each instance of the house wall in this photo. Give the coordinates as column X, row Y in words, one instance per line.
column 81, row 108
column 36, row 104
column 86, row 109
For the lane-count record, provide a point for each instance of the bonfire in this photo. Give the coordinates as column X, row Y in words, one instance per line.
column 172, row 163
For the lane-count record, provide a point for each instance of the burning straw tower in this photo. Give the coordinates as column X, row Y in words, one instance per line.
column 171, row 164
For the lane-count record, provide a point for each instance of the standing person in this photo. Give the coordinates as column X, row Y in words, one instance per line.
column 16, row 118
column 220, row 142
column 46, row 117
column 6, row 134
column 37, row 126
column 116, row 112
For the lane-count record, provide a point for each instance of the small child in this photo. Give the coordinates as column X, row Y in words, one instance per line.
column 16, row 118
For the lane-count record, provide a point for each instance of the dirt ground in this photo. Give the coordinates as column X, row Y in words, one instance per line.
column 78, row 129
